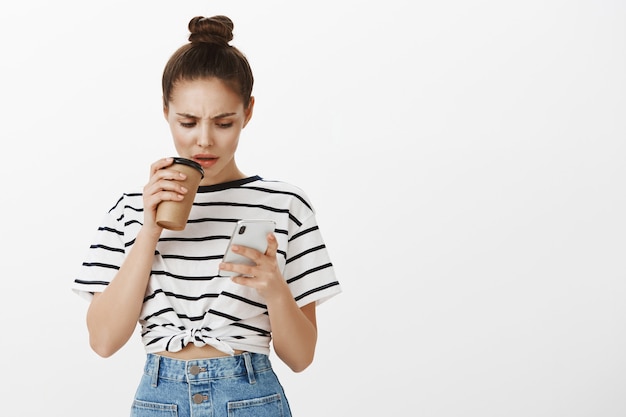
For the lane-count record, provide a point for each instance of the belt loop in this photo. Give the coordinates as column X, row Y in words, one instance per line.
column 155, row 375
column 248, row 361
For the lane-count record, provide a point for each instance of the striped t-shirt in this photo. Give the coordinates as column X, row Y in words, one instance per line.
column 186, row 300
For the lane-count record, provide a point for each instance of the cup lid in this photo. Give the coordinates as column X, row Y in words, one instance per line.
column 189, row 162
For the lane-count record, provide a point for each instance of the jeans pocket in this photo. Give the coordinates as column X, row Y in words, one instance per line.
column 270, row 406
column 150, row 409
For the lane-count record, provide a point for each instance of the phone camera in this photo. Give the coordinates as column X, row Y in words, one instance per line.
column 242, row 229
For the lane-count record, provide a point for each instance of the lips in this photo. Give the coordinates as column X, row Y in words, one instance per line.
column 205, row 160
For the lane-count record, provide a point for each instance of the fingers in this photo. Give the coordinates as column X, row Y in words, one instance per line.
column 165, row 182
column 160, row 164
column 272, row 245
column 242, row 269
column 255, row 255
column 265, row 276
column 164, row 185
column 159, row 171
column 264, row 262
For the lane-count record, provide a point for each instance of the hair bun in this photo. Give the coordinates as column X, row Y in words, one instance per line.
column 217, row 30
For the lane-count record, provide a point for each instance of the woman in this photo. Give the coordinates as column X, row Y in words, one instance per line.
column 207, row 336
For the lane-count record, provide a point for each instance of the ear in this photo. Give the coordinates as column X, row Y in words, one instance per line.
column 248, row 111
column 166, row 111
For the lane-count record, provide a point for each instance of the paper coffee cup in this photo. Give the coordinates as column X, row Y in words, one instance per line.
column 173, row 215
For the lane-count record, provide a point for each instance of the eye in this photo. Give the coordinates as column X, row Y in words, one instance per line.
column 224, row 125
column 187, row 124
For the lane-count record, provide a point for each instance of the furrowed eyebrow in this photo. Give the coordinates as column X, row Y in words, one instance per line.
column 222, row 115
column 217, row 116
column 186, row 115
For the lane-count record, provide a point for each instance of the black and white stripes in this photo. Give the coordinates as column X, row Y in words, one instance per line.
column 186, row 300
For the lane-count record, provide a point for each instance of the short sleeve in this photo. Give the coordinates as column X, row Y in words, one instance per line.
column 103, row 257
column 308, row 268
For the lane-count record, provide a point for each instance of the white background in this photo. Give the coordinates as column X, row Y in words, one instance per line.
column 466, row 158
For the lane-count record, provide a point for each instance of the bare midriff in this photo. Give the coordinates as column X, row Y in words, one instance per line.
column 192, row 351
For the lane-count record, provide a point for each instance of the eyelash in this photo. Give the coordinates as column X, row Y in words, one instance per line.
column 192, row 124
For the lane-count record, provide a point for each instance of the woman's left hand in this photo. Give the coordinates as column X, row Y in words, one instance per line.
column 265, row 276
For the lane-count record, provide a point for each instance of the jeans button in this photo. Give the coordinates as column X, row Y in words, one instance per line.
column 194, row 370
column 197, row 398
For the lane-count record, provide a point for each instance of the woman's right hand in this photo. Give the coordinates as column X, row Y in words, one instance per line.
column 163, row 185
column 112, row 315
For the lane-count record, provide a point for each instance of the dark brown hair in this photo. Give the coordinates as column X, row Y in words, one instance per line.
column 207, row 55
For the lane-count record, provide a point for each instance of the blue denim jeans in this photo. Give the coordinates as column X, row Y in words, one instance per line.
column 232, row 386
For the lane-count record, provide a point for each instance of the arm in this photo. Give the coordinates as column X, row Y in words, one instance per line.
column 294, row 333
column 294, row 329
column 112, row 315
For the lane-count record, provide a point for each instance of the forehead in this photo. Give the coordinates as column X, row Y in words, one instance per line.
column 209, row 93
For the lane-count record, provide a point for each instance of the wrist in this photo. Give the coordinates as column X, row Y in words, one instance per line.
column 149, row 234
column 281, row 298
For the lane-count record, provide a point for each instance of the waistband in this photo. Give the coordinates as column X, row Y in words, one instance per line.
column 245, row 364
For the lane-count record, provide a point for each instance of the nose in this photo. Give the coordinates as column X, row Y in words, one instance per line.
column 204, row 136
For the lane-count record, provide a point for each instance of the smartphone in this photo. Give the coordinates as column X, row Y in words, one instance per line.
column 251, row 233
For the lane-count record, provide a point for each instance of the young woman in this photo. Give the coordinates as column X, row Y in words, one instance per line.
column 207, row 336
